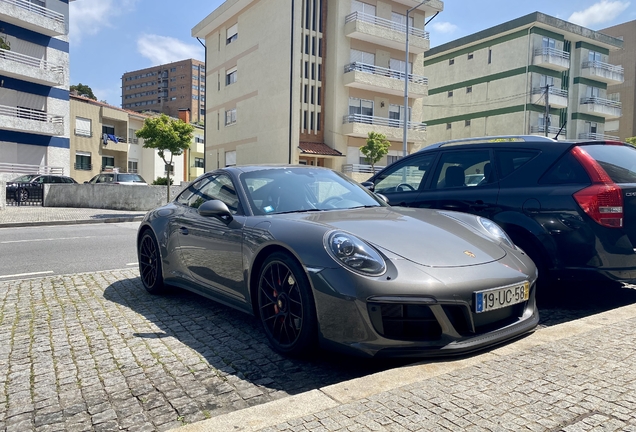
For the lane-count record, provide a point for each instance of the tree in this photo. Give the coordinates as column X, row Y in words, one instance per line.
column 166, row 135
column 376, row 148
column 83, row 90
column 631, row 140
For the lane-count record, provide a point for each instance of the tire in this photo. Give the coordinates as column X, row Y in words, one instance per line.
column 21, row 195
column 545, row 292
column 150, row 269
column 286, row 306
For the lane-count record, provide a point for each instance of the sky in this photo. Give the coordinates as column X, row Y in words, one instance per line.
column 111, row 37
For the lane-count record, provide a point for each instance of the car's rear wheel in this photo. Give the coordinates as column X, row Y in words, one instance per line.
column 150, row 264
column 286, row 305
column 21, row 195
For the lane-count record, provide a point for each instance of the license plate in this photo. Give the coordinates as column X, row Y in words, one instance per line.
column 497, row 298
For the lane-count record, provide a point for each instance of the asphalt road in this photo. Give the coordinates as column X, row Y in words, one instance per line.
column 66, row 249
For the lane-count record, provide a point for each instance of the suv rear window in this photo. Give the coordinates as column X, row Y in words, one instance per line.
column 566, row 171
column 619, row 161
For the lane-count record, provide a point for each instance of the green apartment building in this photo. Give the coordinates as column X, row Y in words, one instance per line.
column 533, row 75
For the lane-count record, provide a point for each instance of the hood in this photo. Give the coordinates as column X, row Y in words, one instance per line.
column 426, row 237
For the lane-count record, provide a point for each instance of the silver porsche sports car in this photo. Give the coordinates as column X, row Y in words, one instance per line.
column 321, row 261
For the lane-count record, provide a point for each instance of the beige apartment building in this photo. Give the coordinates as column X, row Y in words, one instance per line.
column 103, row 139
column 627, row 89
column 166, row 89
column 536, row 74
column 306, row 83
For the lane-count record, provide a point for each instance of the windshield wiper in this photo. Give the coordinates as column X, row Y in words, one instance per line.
column 301, row 211
column 363, row 206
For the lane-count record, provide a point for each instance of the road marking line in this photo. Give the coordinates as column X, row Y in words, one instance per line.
column 27, row 274
column 51, row 239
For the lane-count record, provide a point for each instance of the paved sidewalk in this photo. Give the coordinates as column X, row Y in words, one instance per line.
column 12, row 216
column 576, row 376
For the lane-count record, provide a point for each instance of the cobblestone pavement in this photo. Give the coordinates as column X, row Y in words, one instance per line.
column 96, row 352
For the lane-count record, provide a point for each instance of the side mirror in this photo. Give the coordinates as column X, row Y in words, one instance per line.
column 369, row 185
column 383, row 198
column 215, row 208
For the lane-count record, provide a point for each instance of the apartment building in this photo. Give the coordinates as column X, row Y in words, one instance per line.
column 104, row 139
column 166, row 89
column 304, row 82
column 536, row 74
column 627, row 89
column 34, row 86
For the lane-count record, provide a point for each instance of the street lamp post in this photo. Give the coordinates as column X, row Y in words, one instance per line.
column 406, row 81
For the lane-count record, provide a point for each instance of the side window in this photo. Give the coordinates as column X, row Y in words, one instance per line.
column 405, row 176
column 218, row 187
column 463, row 169
column 508, row 161
column 566, row 170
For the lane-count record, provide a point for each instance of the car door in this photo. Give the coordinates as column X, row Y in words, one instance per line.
column 403, row 181
column 464, row 181
column 211, row 248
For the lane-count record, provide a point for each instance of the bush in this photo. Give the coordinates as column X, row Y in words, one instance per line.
column 162, row 181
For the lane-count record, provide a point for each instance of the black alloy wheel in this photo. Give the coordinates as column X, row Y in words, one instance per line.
column 150, row 264
column 286, row 305
column 21, row 195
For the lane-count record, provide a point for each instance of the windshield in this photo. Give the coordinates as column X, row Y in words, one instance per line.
column 619, row 161
column 287, row 190
column 25, row 178
column 134, row 178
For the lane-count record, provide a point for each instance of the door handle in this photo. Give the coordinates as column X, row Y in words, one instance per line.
column 183, row 230
column 479, row 205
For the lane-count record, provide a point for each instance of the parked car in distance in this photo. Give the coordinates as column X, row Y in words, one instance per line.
column 29, row 185
column 118, row 178
column 570, row 205
column 318, row 259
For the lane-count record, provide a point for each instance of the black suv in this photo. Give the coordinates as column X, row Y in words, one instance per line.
column 570, row 205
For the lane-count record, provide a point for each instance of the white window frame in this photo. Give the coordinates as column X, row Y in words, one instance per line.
column 81, row 125
column 231, row 76
column 232, row 34
column 230, row 117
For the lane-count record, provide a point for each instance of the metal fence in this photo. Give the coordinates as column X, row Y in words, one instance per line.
column 25, row 194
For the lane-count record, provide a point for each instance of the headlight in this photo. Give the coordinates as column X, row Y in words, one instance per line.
column 354, row 253
column 495, row 231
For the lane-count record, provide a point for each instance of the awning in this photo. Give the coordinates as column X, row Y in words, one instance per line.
column 318, row 149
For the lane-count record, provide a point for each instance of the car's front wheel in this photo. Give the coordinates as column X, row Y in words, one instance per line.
column 150, row 263
column 21, row 195
column 286, row 305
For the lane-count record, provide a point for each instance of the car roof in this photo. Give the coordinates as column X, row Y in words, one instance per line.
column 252, row 168
column 507, row 140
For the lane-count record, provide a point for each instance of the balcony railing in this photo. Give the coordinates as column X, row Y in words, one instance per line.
column 553, row 91
column 83, row 167
column 30, row 114
column 604, row 66
column 30, row 61
column 83, row 133
column 382, row 121
column 551, row 130
column 552, row 52
column 381, row 22
column 377, row 70
column 29, row 169
column 360, row 168
column 598, row 136
column 601, row 101
column 36, row 9
column 133, row 140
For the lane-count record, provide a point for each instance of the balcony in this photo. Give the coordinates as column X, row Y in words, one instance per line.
column 30, row 120
column 31, row 69
column 598, row 136
column 551, row 58
column 552, row 131
column 602, row 107
column 385, row 32
column 603, row 72
column 378, row 79
column 31, row 16
column 557, row 98
column 359, row 125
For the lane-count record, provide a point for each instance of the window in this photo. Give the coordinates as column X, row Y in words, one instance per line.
column 450, row 93
column 391, row 159
column 230, row 158
column 509, row 161
column 489, row 56
column 232, row 34
column 230, row 117
column 467, row 123
column 110, row 130
column 132, row 166
column 548, row 43
column 83, row 161
column 448, row 126
column 199, row 162
column 83, row 127
column 396, row 113
column 546, row 80
column 209, row 188
column 361, row 107
column 594, row 56
column 566, row 170
column 462, row 169
column 231, row 76
column 406, row 177
column 398, row 66
column 470, row 56
column 108, row 161
column 365, row 8
column 592, row 92
column 469, row 89
column 451, row 61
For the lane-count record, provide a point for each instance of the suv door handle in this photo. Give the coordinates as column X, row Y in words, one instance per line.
column 478, row 205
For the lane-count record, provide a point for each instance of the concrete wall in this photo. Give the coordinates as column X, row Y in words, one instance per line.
column 113, row 197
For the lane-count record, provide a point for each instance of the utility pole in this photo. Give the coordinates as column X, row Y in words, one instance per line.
column 546, row 120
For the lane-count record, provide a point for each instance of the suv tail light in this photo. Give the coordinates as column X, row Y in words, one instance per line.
column 603, row 200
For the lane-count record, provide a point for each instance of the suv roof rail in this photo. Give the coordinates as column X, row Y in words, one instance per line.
column 495, row 138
